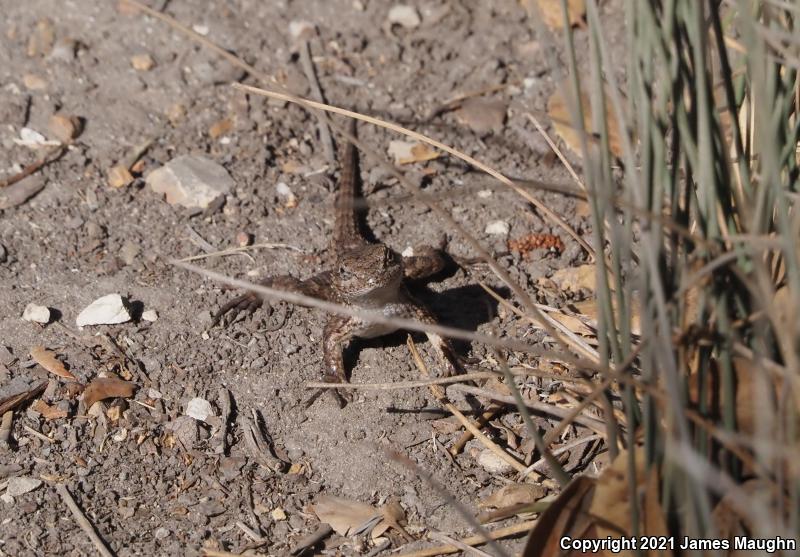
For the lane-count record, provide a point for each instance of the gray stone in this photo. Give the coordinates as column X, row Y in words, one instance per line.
column 191, row 181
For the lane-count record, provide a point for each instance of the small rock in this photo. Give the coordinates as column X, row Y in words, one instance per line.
column 20, row 192
column 119, row 176
column 243, row 239
column 150, row 315
column 161, row 533
column 36, row 314
column 153, row 394
column 29, row 136
column 21, row 485
column 483, row 194
column 201, row 29
column 498, row 227
column 142, row 62
column 185, row 429
column 404, row 15
column 34, row 82
column 64, row 50
column 108, row 310
column 408, row 252
column 129, row 252
column 199, row 409
column 7, row 499
column 176, row 113
column 493, row 463
column 483, row 116
column 300, row 29
column 64, row 128
column 191, row 181
column 278, row 514
column 6, row 357
column 40, row 42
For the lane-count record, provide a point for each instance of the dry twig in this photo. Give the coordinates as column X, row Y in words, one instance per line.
column 82, row 521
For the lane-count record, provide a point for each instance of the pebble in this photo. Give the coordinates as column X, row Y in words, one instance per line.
column 161, row 533
column 483, row 116
column 64, row 128
column 404, row 15
column 498, row 227
column 119, row 176
column 20, row 485
column 191, row 181
column 493, row 463
column 129, row 252
column 483, row 194
column 36, row 313
column 301, row 29
column 185, row 429
column 108, row 310
column 199, row 409
column 29, row 136
column 34, row 82
column 150, row 315
column 142, row 62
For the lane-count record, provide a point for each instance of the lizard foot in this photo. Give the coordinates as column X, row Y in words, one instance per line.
column 247, row 302
column 342, row 396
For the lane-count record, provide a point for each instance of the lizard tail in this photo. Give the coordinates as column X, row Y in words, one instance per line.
column 346, row 234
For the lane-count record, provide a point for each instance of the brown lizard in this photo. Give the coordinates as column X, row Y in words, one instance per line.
column 369, row 276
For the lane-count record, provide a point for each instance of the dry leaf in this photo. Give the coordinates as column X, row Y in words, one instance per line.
column 344, row 515
column 393, row 517
column 566, row 515
column 119, row 176
column 220, row 127
column 575, row 278
column 559, row 111
column 47, row 411
column 407, row 152
column 550, row 11
column 106, row 387
column 514, row 494
column 47, row 359
column 573, row 323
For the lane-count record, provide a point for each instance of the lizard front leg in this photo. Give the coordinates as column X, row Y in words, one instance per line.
column 426, row 262
column 317, row 286
column 338, row 332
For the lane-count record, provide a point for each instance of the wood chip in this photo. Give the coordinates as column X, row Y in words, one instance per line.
column 106, row 387
column 48, row 411
column 119, row 176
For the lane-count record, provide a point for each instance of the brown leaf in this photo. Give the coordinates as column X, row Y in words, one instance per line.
column 47, row 359
column 550, row 11
column 343, row 515
column 393, row 517
column 514, row 494
column 575, row 278
column 558, row 109
column 102, row 388
column 566, row 515
column 47, row 411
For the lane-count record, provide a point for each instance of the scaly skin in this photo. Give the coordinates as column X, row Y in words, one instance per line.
column 365, row 275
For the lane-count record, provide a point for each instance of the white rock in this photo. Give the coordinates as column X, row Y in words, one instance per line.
column 150, row 315
column 404, row 15
column 199, row 409
column 493, row 463
column 191, row 181
column 498, row 227
column 31, row 136
column 483, row 194
column 161, row 533
column 8, row 500
column 408, row 252
column 20, row 485
column 107, row 310
column 154, row 394
column 200, row 29
column 301, row 29
column 283, row 189
column 37, row 314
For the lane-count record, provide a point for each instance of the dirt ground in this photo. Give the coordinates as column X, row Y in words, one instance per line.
column 151, row 480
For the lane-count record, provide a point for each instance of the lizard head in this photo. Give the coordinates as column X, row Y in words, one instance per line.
column 372, row 270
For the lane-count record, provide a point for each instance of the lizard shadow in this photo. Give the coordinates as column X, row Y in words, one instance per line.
column 463, row 307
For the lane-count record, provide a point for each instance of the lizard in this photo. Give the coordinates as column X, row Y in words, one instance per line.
column 365, row 275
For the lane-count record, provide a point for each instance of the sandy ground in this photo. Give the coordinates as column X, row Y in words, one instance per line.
column 152, row 480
